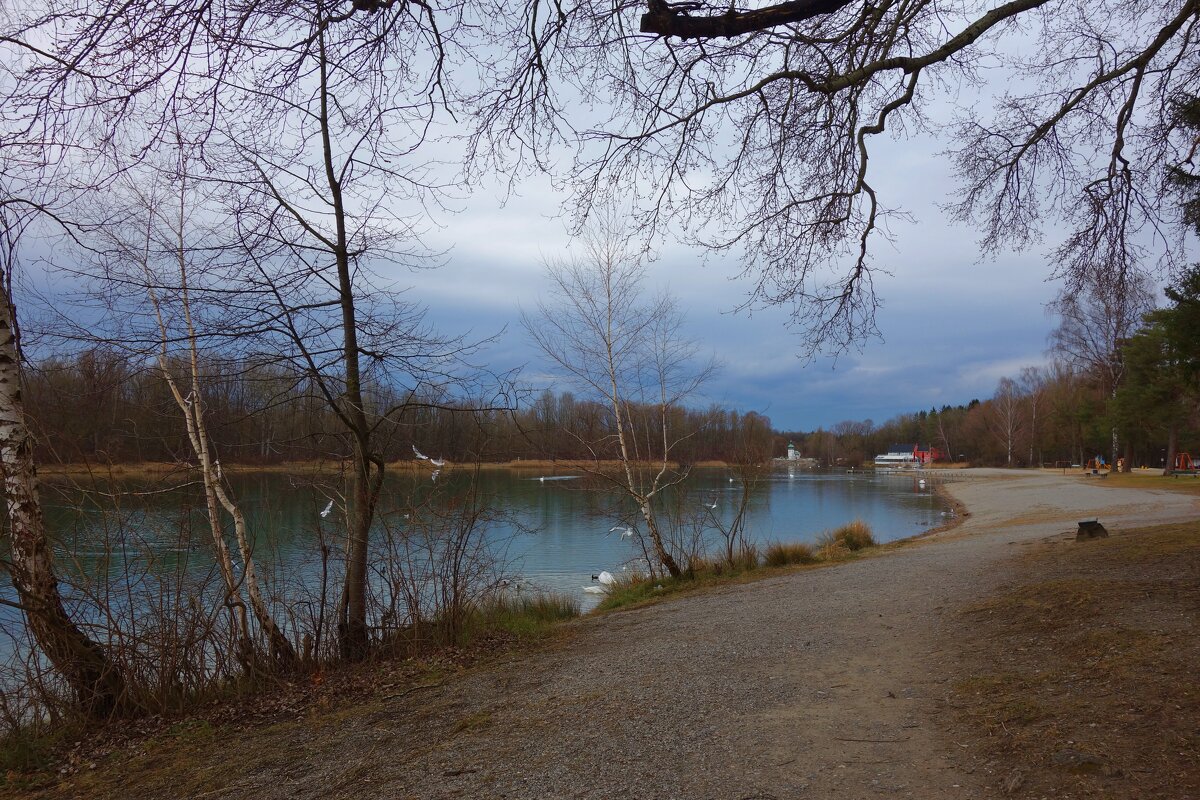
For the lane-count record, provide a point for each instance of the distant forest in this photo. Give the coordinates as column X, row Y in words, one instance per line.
column 100, row 406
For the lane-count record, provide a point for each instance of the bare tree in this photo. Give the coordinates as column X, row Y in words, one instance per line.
column 165, row 235
column 1094, row 323
column 1006, row 418
column 778, row 108
column 617, row 345
column 1032, row 383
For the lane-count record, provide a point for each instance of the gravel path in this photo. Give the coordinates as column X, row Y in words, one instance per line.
column 822, row 684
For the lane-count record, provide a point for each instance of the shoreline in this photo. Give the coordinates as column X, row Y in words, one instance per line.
column 154, row 468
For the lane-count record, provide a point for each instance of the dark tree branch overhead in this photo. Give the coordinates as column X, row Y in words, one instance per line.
column 673, row 19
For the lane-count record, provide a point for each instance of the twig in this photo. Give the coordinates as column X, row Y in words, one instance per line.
column 872, row 741
column 412, row 689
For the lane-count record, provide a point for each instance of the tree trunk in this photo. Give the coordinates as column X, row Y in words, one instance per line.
column 98, row 685
column 353, row 634
column 1172, row 444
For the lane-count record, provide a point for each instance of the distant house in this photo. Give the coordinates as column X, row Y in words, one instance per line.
column 793, row 453
column 899, row 456
column 908, row 455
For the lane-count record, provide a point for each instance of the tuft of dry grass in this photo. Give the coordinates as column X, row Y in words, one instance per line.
column 780, row 554
column 841, row 542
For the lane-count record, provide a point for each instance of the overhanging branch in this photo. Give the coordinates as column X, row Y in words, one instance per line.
column 672, row 19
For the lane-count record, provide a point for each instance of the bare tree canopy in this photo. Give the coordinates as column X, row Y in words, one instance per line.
column 751, row 129
column 761, row 143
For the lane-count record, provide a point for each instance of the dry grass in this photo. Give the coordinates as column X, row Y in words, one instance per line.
column 1094, row 652
column 1152, row 479
column 848, row 541
column 843, row 541
column 167, row 757
column 779, row 554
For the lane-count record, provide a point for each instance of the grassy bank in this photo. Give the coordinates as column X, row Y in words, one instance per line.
column 747, row 564
column 178, row 755
column 1080, row 680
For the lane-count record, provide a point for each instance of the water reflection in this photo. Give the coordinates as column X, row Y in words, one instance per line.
column 561, row 531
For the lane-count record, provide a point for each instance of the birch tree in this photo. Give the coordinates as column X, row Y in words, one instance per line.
column 1006, row 418
column 98, row 685
column 616, row 344
column 165, row 231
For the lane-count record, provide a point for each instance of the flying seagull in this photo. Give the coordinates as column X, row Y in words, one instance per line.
column 625, row 534
column 419, row 454
column 328, row 508
column 438, row 462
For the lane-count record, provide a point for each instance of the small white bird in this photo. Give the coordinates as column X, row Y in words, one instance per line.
column 433, row 475
column 419, row 454
column 438, row 462
column 714, row 504
column 328, row 508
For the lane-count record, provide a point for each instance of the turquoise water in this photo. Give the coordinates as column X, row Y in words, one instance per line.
column 555, row 532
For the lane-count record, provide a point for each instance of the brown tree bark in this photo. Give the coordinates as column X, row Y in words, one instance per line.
column 98, row 685
column 672, row 19
column 1172, row 447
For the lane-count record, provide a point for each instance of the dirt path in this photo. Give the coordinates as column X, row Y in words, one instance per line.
column 824, row 684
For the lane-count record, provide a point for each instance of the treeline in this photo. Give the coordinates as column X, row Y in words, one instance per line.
column 1124, row 385
column 1046, row 415
column 101, row 406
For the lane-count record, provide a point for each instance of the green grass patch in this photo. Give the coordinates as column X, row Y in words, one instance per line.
column 27, row 754
column 523, row 615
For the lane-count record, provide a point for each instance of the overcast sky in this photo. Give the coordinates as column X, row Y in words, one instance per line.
column 952, row 325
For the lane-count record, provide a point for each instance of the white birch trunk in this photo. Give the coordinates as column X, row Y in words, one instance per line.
column 98, row 686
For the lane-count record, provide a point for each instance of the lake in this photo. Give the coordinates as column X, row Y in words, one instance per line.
column 556, row 533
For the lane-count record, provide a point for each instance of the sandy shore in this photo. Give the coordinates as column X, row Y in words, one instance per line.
column 827, row 683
